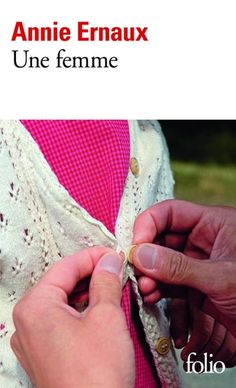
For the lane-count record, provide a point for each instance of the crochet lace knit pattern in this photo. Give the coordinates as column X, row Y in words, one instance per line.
column 40, row 223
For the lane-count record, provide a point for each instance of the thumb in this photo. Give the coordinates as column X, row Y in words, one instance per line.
column 175, row 268
column 106, row 280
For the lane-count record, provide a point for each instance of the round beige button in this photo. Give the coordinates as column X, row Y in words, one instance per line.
column 134, row 166
column 130, row 254
column 163, row 345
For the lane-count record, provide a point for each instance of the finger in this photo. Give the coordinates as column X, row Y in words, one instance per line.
column 173, row 267
column 179, row 322
column 146, row 285
column 216, row 343
column 54, row 288
column 203, row 303
column 227, row 351
column 202, row 330
column 106, row 281
column 152, row 298
column 67, row 272
column 228, row 318
column 149, row 286
column 171, row 215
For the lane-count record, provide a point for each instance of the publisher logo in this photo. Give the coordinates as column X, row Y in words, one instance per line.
column 205, row 366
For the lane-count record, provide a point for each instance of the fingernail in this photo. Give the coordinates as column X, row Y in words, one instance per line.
column 111, row 263
column 147, row 256
column 179, row 343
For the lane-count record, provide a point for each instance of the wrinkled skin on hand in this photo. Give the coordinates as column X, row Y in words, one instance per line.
column 206, row 233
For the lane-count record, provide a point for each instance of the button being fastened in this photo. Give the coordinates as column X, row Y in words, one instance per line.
column 134, row 166
column 163, row 346
column 130, row 254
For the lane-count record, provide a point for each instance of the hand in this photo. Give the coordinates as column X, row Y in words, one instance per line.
column 56, row 345
column 199, row 232
column 206, row 335
column 195, row 331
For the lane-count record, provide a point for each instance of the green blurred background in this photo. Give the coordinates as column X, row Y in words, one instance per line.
column 203, row 157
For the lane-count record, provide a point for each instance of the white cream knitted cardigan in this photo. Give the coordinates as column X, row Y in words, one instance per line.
column 40, row 222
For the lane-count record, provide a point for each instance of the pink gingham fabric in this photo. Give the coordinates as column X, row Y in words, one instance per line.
column 91, row 160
